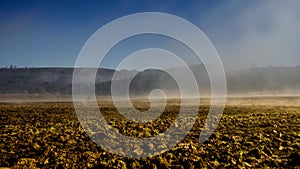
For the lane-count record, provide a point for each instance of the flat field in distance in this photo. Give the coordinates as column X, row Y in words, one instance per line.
column 254, row 132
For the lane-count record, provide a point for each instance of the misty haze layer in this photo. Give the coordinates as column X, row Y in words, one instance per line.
column 279, row 80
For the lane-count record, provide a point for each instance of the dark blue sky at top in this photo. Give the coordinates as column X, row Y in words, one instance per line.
column 52, row 32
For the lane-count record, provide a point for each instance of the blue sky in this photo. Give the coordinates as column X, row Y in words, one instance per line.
column 52, row 33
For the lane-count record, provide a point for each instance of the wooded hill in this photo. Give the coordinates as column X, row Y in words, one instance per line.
column 59, row 80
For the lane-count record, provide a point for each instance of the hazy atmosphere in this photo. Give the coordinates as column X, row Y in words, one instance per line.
column 149, row 84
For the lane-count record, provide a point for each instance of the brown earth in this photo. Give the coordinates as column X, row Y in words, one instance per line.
column 48, row 135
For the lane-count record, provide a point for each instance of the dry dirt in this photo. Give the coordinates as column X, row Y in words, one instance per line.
column 48, row 135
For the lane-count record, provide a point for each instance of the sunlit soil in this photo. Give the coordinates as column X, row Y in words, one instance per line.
column 49, row 135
